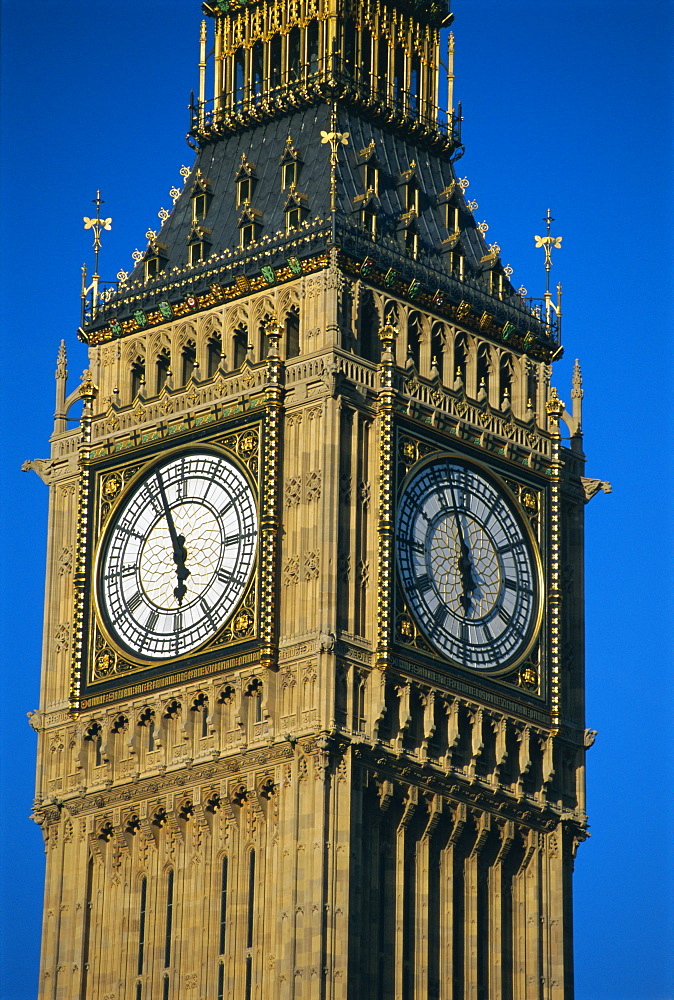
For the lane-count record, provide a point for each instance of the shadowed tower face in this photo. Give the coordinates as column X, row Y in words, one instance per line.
column 312, row 700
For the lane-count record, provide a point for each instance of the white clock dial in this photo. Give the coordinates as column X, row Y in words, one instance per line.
column 178, row 555
column 467, row 565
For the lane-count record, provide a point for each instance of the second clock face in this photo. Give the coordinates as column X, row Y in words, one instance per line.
column 467, row 565
column 178, row 555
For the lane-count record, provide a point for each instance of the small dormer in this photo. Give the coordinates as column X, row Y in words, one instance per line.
column 369, row 205
column 155, row 258
column 409, row 187
column 492, row 269
column 245, row 181
column 249, row 225
column 449, row 201
column 198, row 243
column 455, row 255
column 408, row 233
column 369, row 168
column 201, row 197
column 291, row 164
column 295, row 208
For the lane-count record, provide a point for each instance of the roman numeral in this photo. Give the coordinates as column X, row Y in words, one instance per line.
column 134, row 601
column 152, row 620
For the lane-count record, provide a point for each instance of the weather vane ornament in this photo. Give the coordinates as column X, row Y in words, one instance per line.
column 98, row 225
column 550, row 243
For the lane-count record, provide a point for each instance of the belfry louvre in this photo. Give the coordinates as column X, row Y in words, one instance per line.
column 315, row 728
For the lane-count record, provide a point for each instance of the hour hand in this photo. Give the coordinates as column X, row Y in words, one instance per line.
column 182, row 572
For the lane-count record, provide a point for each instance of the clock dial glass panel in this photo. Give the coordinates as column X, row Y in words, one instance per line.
column 178, row 555
column 467, row 565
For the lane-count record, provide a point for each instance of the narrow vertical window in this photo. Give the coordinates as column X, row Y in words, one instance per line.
column 141, row 928
column 257, row 67
column 350, row 46
column 169, row 920
column 312, row 47
column 165, row 991
column 223, row 908
column 382, row 67
column 239, row 74
column 139, row 991
column 365, row 55
column 415, row 83
column 251, row 899
column 399, row 75
column 221, row 982
column 275, row 62
column 88, row 903
column 294, row 54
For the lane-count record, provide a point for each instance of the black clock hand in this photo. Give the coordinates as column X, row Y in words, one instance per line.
column 464, row 564
column 178, row 543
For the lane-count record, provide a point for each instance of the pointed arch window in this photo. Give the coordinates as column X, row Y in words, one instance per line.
column 437, row 348
column 506, row 379
column 240, row 346
column 369, row 329
column 292, row 335
column 188, row 360
column 163, row 370
column 483, row 371
column 214, row 355
column 413, row 339
column 137, row 377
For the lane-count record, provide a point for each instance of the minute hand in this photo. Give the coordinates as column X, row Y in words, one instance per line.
column 177, row 541
column 465, row 567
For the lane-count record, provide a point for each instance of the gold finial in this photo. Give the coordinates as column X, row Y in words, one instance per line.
column 335, row 139
column 97, row 224
column 554, row 405
column 549, row 243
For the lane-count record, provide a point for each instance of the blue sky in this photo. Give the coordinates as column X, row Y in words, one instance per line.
column 568, row 105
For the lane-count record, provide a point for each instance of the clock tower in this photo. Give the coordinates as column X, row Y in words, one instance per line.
column 312, row 720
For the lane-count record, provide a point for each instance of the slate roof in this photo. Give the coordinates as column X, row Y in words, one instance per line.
column 219, row 162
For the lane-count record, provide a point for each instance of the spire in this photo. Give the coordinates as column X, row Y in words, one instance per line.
column 577, row 398
column 61, row 376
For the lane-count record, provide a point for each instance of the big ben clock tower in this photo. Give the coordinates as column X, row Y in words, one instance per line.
column 312, row 719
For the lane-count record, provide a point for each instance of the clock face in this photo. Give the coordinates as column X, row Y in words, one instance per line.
column 178, row 555
column 467, row 565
